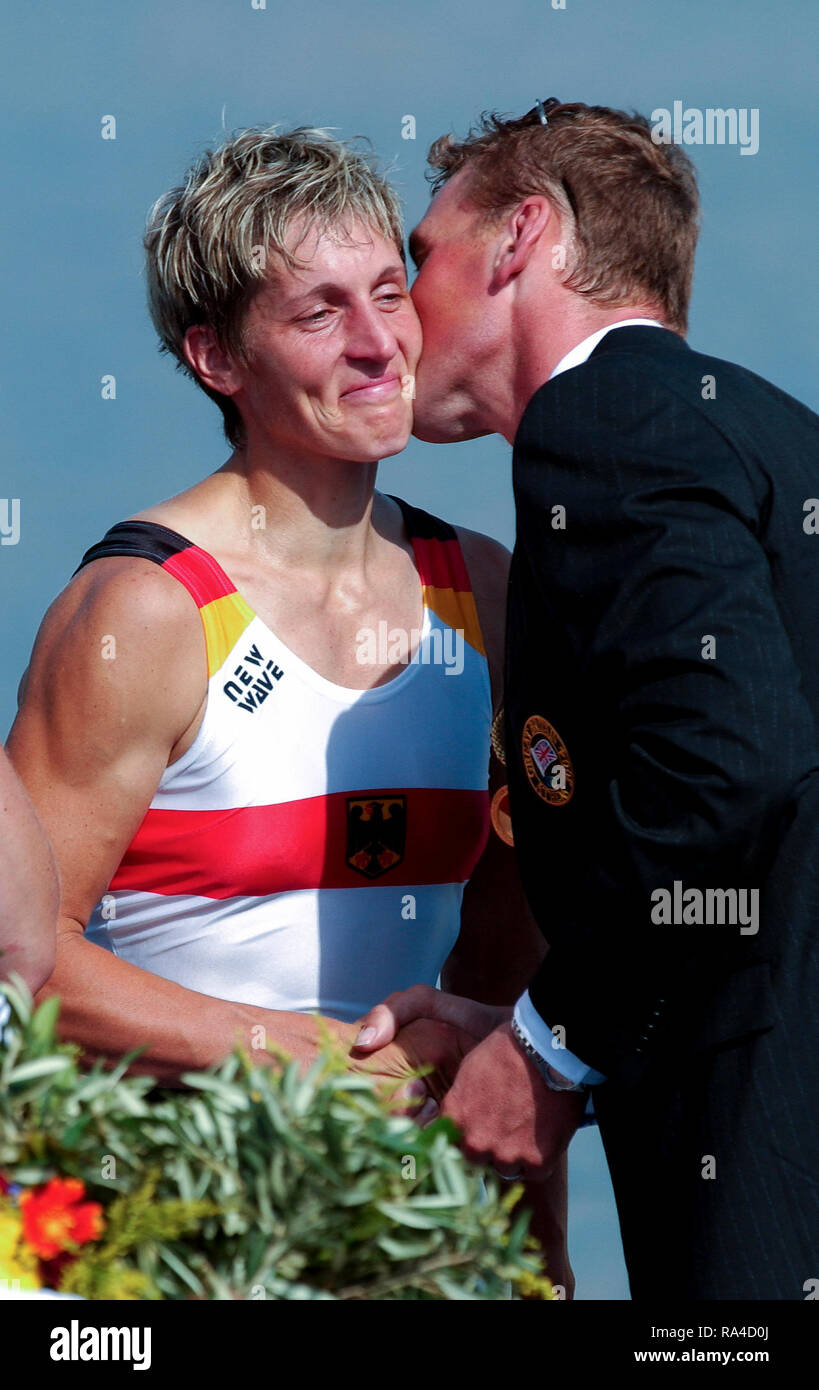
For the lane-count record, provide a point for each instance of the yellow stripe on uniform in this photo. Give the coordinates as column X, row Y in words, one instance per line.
column 457, row 609
column 224, row 619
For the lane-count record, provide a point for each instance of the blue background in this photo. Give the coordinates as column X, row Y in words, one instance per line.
column 175, row 73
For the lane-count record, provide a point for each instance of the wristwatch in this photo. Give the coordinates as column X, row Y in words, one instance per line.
column 553, row 1079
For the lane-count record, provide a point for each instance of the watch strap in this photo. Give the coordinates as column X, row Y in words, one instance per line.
column 552, row 1077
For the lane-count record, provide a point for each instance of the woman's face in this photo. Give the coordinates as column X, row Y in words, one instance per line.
column 332, row 349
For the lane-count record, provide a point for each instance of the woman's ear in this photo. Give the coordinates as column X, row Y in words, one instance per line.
column 209, row 360
column 522, row 233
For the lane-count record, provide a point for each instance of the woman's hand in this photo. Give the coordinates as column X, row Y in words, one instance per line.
column 425, row 1042
column 423, row 1003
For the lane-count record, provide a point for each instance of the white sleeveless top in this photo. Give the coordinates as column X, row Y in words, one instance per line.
column 309, row 850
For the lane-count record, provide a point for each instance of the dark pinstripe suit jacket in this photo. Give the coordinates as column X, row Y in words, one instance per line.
column 663, row 651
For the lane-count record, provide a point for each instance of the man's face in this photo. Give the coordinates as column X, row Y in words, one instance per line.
column 462, row 323
column 331, row 349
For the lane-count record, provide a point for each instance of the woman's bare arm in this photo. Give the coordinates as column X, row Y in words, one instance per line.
column 92, row 738
column 29, row 887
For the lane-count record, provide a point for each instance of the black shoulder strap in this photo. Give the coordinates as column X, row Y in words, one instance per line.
column 146, row 540
column 422, row 525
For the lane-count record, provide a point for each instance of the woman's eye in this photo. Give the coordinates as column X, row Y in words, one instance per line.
column 317, row 317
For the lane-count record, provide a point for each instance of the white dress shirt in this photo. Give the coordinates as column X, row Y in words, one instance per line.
column 536, row 1032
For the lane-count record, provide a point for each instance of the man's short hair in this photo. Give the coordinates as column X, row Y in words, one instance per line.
column 209, row 242
column 629, row 207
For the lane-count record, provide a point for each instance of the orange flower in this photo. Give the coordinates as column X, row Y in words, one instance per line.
column 54, row 1218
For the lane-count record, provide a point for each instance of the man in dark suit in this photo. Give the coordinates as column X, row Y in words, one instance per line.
column 662, row 702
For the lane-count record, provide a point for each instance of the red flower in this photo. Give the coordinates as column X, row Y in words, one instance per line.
column 4, row 1187
column 54, row 1218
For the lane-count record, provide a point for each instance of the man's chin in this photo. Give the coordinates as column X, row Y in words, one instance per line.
column 444, row 422
column 452, row 432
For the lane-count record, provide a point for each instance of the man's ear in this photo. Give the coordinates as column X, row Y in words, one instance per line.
column 522, row 232
column 209, row 360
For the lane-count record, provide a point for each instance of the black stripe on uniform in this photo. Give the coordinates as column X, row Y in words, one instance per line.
column 146, row 540
column 424, row 526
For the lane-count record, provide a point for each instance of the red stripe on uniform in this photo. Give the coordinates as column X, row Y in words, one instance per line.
column 441, row 564
column 204, row 579
column 252, row 851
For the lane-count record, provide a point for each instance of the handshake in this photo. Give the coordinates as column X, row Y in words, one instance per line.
column 480, row 1078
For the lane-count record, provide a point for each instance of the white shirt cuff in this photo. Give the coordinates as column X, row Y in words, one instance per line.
column 543, row 1040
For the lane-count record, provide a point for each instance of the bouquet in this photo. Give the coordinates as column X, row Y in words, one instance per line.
column 257, row 1181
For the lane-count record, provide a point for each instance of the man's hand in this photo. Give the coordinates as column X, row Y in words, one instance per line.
column 380, row 1026
column 507, row 1114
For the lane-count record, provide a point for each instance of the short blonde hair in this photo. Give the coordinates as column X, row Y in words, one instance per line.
column 630, row 207
column 208, row 242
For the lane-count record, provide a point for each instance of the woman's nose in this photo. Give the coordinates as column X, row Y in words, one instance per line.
column 371, row 336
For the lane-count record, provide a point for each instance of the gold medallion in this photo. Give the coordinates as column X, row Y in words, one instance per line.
column 500, row 816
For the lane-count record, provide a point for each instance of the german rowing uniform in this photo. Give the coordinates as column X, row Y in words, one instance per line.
column 310, row 849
